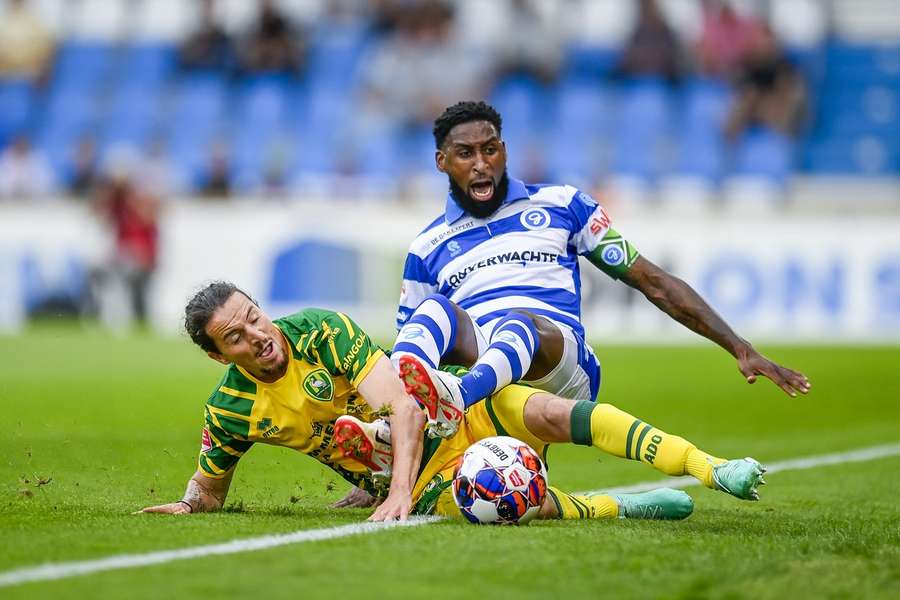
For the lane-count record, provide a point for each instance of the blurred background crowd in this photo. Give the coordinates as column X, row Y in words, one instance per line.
column 125, row 106
column 268, row 97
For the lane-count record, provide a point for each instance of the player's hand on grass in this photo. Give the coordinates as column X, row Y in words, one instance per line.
column 355, row 498
column 173, row 508
column 395, row 506
column 751, row 364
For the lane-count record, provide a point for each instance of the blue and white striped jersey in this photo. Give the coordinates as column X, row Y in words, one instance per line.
column 523, row 256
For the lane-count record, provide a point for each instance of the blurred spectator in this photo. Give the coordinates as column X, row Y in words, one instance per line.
column 275, row 172
column 652, row 48
column 532, row 41
column 26, row 45
column 24, row 171
column 422, row 68
column 84, row 167
column 218, row 173
column 726, row 38
column 132, row 219
column 156, row 174
column 386, row 16
column 208, row 47
column 770, row 91
column 409, row 77
column 273, row 44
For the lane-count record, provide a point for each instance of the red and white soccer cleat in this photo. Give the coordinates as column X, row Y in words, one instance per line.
column 369, row 444
column 435, row 391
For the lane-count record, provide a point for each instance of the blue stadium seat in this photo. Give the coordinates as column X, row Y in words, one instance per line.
column 705, row 107
column 317, row 128
column 588, row 63
column 867, row 154
column 67, row 115
column 524, row 105
column 762, row 152
column 260, row 121
column 131, row 119
column 644, row 121
column 17, row 97
column 148, row 64
column 83, row 64
column 335, row 53
column 197, row 118
column 857, row 122
column 584, row 116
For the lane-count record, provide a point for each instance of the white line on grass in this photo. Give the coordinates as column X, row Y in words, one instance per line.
column 62, row 570
column 125, row 561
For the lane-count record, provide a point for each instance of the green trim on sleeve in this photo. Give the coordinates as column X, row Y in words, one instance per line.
column 614, row 255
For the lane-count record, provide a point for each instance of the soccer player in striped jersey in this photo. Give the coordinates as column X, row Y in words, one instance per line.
column 494, row 284
column 314, row 382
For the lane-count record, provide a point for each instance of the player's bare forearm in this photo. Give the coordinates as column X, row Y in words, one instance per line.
column 679, row 300
column 407, row 425
column 203, row 494
column 383, row 391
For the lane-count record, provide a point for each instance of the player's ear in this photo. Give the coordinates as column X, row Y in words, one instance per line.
column 440, row 159
column 218, row 358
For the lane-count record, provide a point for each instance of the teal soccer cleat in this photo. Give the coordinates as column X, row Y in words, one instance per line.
column 740, row 477
column 661, row 504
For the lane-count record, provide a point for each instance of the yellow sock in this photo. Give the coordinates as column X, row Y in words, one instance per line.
column 618, row 433
column 570, row 506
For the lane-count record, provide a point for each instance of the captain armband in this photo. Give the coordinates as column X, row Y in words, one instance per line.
column 614, row 255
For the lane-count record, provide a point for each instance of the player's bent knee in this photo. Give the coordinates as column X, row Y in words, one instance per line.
column 547, row 417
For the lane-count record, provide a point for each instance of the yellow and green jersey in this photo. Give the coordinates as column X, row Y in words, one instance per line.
column 330, row 355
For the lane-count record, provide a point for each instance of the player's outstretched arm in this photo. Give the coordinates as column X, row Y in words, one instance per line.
column 382, row 389
column 203, row 494
column 679, row 300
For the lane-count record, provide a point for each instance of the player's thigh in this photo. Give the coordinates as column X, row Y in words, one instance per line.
column 469, row 342
column 504, row 414
column 576, row 375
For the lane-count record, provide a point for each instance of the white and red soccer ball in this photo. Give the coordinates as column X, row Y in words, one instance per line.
column 500, row 480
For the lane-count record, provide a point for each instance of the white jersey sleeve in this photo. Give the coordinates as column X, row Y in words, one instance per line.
column 418, row 284
column 594, row 238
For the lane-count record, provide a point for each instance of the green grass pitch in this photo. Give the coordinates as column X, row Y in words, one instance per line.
column 95, row 427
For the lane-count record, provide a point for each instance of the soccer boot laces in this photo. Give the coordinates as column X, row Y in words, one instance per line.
column 739, row 477
column 661, row 504
column 369, row 444
column 437, row 392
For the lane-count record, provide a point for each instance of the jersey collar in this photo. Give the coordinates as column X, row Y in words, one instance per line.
column 516, row 191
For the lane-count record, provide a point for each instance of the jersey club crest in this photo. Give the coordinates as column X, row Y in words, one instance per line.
column 319, row 386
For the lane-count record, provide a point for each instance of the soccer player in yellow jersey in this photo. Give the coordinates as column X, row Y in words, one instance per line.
column 315, row 382
column 286, row 384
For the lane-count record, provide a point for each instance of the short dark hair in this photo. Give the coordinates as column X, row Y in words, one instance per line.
column 464, row 112
column 199, row 310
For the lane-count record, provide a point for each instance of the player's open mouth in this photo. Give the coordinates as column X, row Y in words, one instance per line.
column 267, row 351
column 482, row 190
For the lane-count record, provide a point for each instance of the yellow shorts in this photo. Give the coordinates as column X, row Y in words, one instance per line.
column 501, row 414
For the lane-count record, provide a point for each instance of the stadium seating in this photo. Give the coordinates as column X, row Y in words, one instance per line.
column 704, row 108
column 584, row 127
column 16, row 100
column 857, row 117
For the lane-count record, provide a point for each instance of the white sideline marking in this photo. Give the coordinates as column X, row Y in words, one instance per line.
column 52, row 571
column 794, row 464
column 124, row 561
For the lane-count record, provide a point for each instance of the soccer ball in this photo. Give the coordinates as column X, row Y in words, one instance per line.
column 500, row 480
